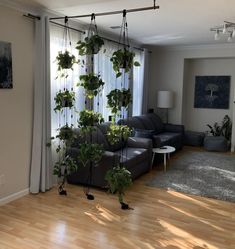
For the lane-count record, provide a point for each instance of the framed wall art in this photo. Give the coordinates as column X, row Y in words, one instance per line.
column 5, row 65
column 212, row 92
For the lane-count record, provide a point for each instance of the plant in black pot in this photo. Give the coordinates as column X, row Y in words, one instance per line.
column 65, row 60
column 90, row 45
column 119, row 180
column 88, row 119
column 62, row 169
column 117, row 99
column 92, row 84
column 117, row 133
column 123, row 59
column 90, row 152
column 64, row 99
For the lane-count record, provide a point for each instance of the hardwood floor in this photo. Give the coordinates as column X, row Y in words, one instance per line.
column 160, row 219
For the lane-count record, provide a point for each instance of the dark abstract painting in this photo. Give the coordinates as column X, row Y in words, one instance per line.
column 5, row 65
column 212, row 92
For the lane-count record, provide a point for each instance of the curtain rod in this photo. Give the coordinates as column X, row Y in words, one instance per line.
column 154, row 7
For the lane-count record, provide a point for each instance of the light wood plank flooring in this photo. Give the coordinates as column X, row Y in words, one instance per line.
column 160, row 219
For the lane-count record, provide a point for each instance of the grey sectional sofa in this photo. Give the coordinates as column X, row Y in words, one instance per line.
column 151, row 126
column 135, row 154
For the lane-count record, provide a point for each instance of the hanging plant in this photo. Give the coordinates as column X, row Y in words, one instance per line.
column 64, row 99
column 92, row 84
column 90, row 153
column 88, row 119
column 118, row 133
column 123, row 59
column 64, row 168
column 119, row 179
column 66, row 133
column 118, row 99
column 90, row 45
column 65, row 60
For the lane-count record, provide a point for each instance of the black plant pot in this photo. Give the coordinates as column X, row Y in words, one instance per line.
column 66, row 102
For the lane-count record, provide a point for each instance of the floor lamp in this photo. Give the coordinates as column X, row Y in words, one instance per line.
column 165, row 100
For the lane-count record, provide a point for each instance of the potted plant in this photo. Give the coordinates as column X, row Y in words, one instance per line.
column 117, row 133
column 88, row 119
column 123, row 59
column 119, row 179
column 225, row 129
column 64, row 99
column 65, row 60
column 91, row 83
column 63, row 168
column 117, row 99
column 89, row 152
column 90, row 45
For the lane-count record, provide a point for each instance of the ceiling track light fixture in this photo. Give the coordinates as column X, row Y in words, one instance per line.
column 226, row 30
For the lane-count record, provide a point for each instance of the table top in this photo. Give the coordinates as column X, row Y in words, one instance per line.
column 164, row 149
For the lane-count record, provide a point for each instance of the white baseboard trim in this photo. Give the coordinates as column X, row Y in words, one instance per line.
column 14, row 196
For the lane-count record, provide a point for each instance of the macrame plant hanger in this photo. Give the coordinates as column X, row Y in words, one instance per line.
column 66, row 114
column 124, row 40
column 90, row 104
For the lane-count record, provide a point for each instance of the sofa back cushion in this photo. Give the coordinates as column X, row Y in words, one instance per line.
column 156, row 121
column 95, row 137
column 147, row 123
column 132, row 122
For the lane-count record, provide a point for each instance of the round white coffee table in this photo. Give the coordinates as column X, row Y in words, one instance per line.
column 166, row 150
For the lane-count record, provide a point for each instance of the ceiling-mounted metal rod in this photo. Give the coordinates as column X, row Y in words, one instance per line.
column 154, row 7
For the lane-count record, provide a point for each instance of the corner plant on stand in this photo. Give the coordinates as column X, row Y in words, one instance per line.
column 225, row 129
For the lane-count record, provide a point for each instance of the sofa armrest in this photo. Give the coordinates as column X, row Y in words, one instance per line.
column 138, row 142
column 174, row 128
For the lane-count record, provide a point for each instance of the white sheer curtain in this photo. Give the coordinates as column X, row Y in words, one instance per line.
column 103, row 66
column 41, row 166
column 70, row 83
column 140, row 83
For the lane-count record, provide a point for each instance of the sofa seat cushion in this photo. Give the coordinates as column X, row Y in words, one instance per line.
column 132, row 156
column 167, row 138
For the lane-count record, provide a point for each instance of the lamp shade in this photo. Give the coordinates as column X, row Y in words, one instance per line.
column 165, row 99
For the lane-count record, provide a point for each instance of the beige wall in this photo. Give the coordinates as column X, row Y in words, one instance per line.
column 16, row 104
column 196, row 119
column 167, row 66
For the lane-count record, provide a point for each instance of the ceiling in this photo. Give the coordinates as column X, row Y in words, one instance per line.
column 177, row 22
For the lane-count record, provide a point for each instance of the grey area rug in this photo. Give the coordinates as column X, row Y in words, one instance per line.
column 206, row 174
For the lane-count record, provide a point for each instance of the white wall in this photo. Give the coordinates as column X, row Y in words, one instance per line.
column 196, row 119
column 167, row 73
column 16, row 104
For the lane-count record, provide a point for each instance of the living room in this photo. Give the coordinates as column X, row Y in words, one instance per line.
column 166, row 205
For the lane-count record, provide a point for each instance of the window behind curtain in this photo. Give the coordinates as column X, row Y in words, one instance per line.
column 137, row 85
column 103, row 66
column 57, row 44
